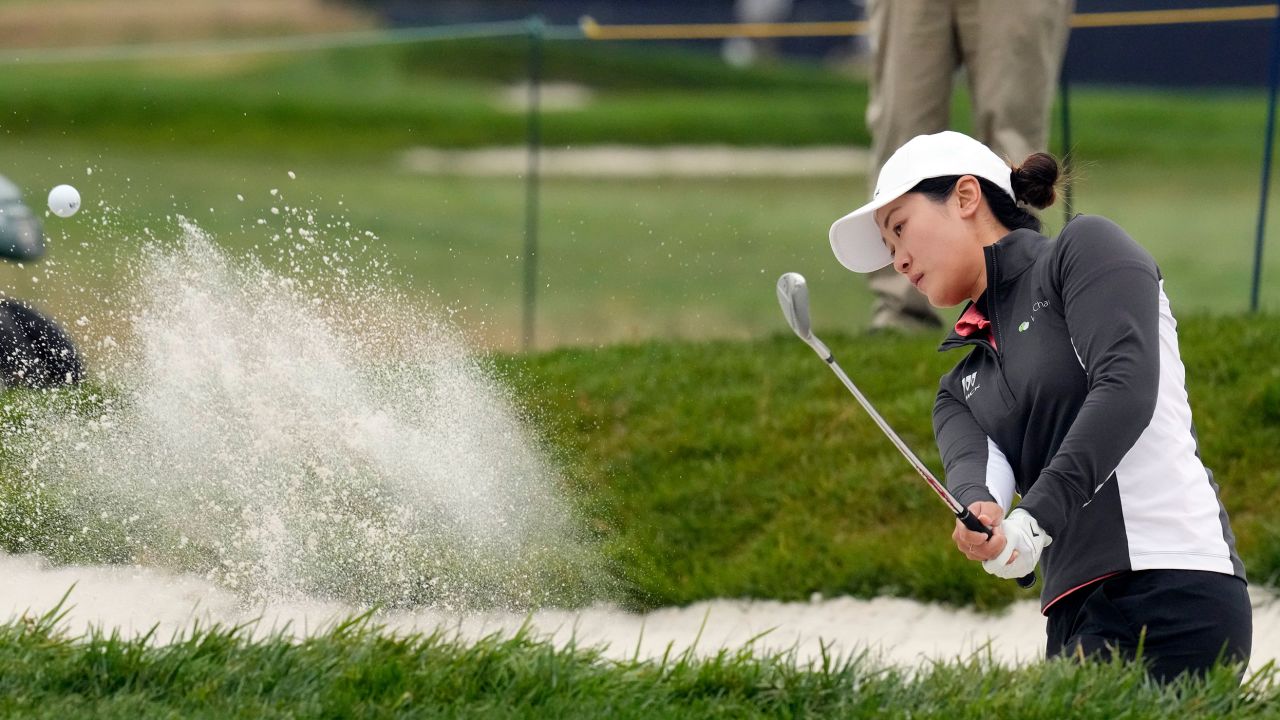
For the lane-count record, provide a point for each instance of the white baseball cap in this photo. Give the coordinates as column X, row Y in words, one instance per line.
column 855, row 238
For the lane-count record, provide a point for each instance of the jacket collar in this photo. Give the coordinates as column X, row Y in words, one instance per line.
column 1011, row 255
column 1006, row 260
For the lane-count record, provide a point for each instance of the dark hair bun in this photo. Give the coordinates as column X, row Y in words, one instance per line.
column 1035, row 181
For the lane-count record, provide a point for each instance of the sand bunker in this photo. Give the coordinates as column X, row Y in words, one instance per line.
column 901, row 632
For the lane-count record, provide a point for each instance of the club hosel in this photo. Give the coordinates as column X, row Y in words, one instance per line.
column 820, row 348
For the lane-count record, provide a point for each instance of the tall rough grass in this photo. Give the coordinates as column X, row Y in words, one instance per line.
column 358, row 670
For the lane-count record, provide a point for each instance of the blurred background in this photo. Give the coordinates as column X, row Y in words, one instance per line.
column 661, row 184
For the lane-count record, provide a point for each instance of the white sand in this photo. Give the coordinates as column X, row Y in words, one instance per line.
column 901, row 632
column 621, row 161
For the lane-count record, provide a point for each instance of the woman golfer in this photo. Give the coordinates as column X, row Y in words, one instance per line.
column 1071, row 396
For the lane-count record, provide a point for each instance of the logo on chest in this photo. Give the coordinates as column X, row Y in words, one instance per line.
column 1035, row 308
column 970, row 384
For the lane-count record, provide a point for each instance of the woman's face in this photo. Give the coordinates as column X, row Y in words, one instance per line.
column 934, row 246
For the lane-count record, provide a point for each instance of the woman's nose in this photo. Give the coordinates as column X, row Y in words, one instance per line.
column 902, row 262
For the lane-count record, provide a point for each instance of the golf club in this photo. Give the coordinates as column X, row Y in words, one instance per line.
column 793, row 295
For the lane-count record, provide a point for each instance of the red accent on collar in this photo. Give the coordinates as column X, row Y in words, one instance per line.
column 973, row 322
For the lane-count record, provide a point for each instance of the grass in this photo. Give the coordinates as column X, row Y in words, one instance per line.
column 446, row 94
column 619, row 260
column 357, row 670
column 442, row 94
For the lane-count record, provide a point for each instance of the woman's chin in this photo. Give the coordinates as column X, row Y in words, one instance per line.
column 944, row 301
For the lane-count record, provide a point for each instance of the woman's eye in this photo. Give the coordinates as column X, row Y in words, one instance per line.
column 897, row 230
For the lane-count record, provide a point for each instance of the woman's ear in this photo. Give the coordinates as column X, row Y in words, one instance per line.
column 968, row 196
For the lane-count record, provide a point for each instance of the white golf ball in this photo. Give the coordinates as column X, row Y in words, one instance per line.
column 64, row 201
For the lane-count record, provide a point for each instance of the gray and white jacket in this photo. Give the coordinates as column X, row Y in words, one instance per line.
column 1080, row 407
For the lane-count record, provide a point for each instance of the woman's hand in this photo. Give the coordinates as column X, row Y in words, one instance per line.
column 976, row 545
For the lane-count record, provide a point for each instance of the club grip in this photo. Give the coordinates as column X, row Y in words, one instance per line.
column 972, row 522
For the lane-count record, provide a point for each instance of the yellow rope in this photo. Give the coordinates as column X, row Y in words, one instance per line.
column 1175, row 17
column 595, row 31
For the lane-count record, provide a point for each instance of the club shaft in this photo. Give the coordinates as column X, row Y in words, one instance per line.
column 962, row 513
column 793, row 296
column 920, row 467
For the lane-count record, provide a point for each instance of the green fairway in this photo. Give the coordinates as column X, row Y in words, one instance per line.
column 618, row 259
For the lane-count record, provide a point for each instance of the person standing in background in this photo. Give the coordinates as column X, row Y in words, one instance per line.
column 1012, row 52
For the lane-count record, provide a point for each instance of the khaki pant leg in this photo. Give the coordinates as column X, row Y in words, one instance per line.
column 1013, row 50
column 914, row 57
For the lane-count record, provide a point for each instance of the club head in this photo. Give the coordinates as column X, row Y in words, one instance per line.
column 793, row 296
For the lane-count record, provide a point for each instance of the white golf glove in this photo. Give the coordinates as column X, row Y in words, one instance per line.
column 1023, row 534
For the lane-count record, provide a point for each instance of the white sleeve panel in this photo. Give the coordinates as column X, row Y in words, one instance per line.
column 1172, row 516
column 999, row 475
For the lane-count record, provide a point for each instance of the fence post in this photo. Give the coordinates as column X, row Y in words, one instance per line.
column 1068, row 196
column 1274, row 81
column 536, row 31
